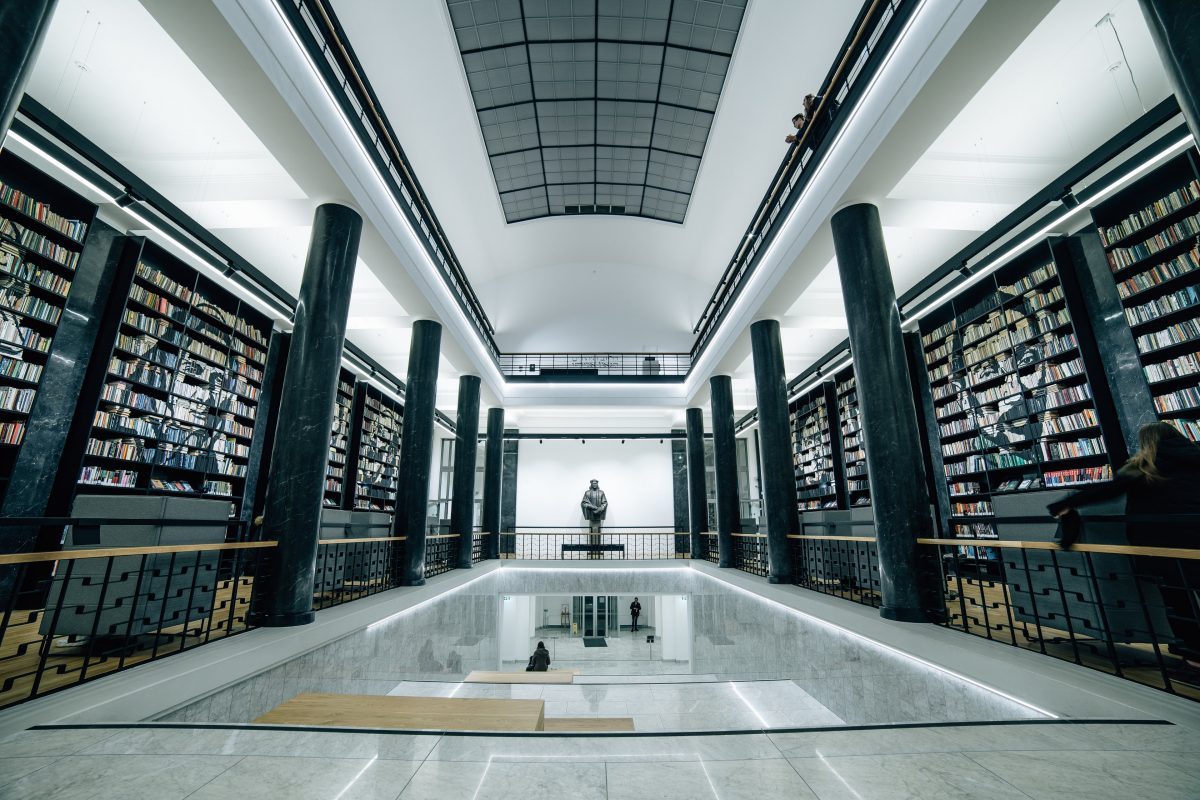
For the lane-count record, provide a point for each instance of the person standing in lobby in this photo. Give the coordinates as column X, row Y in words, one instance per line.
column 635, row 610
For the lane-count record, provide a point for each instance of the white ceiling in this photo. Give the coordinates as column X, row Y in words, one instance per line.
column 1031, row 87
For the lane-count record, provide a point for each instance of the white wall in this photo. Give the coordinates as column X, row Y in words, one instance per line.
column 675, row 629
column 516, row 611
column 636, row 476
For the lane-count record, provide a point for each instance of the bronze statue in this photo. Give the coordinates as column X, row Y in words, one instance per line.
column 594, row 505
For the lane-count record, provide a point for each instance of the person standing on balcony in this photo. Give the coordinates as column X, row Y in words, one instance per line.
column 1162, row 477
column 798, row 122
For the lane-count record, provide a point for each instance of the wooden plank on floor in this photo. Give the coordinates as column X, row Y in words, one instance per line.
column 428, row 713
column 589, row 724
column 550, row 676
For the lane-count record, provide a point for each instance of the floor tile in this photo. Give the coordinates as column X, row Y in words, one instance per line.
column 13, row 768
column 1094, row 775
column 502, row 780
column 55, row 742
column 767, row 779
column 610, row 749
column 265, row 778
column 246, row 742
column 119, row 778
column 945, row 776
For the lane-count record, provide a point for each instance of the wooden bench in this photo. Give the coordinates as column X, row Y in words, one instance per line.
column 594, row 548
column 549, row 676
column 412, row 713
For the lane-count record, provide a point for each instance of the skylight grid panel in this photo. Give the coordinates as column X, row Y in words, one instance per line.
column 569, row 164
column 628, row 197
column 560, row 19
column 706, row 24
column 620, row 164
column 566, row 123
column 579, row 194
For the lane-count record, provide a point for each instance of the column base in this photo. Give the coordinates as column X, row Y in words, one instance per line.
column 413, row 582
column 288, row 619
column 779, row 579
column 725, row 564
column 903, row 614
column 468, row 565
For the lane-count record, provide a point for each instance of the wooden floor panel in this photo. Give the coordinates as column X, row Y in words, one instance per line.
column 589, row 724
column 411, row 713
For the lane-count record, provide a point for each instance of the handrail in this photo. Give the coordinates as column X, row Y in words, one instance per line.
column 1112, row 549
column 582, row 532
column 441, row 536
column 787, row 168
column 834, row 538
column 365, row 539
column 749, row 535
column 116, row 552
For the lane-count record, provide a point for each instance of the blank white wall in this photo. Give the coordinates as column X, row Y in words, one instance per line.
column 515, row 627
column 636, row 476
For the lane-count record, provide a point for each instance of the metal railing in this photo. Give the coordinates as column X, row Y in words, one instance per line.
column 709, row 551
column 350, row 569
column 750, row 553
column 553, row 544
column 842, row 566
column 478, row 546
column 316, row 26
column 873, row 32
column 565, row 365
column 1130, row 611
column 441, row 553
column 75, row 615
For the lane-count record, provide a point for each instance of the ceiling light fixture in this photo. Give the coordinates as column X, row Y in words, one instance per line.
column 910, row 320
column 267, row 306
column 821, row 375
column 105, row 194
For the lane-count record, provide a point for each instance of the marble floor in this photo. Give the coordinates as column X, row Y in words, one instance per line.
column 992, row 762
column 657, row 707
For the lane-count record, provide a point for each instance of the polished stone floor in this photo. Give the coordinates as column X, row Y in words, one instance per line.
column 991, row 762
column 655, row 707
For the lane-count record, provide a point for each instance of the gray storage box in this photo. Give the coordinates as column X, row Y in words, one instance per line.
column 1107, row 592
column 169, row 591
column 368, row 562
column 331, row 558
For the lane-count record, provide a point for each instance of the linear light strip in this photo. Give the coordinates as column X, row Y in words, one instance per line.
column 822, row 375
column 1014, row 250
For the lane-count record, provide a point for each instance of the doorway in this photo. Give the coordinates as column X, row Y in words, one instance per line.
column 594, row 615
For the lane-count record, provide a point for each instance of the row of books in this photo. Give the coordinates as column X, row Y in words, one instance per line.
column 185, row 295
column 12, row 432
column 11, row 331
column 12, row 264
column 20, row 370
column 1122, row 257
column 31, row 306
column 1180, row 332
column 1178, row 367
column 1079, row 448
column 15, row 399
column 1187, row 297
column 35, row 242
column 1181, row 197
column 1177, row 267
column 978, row 508
column 101, row 476
column 42, row 212
column 1184, row 399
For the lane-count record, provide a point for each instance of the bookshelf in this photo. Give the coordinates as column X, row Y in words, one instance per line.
column 1151, row 238
column 378, row 453
column 339, row 443
column 853, row 443
column 1012, row 398
column 43, row 227
column 812, row 450
column 179, row 405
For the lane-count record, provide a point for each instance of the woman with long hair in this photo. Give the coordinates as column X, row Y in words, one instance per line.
column 1162, row 477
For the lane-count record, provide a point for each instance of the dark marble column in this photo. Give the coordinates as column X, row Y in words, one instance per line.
column 23, row 25
column 416, row 448
column 697, row 491
column 779, row 485
column 296, row 481
column 493, row 472
column 263, row 441
column 889, row 417
column 46, row 471
column 725, row 455
column 679, row 491
column 1173, row 25
column 466, row 443
column 508, row 490
column 1105, row 342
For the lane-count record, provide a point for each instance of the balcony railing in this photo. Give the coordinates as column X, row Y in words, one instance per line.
column 570, row 544
column 595, row 366
column 872, row 34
